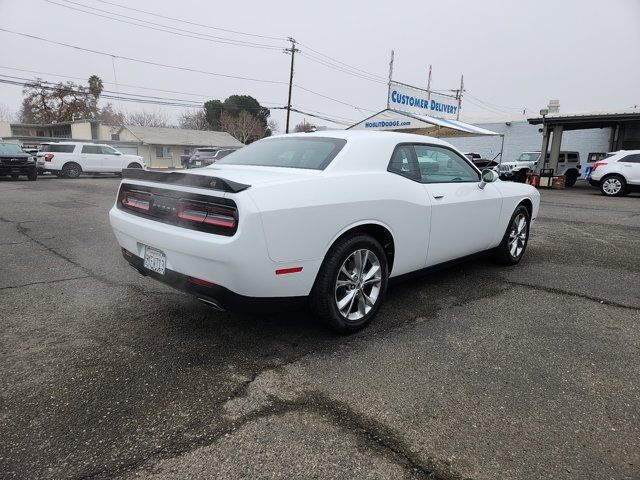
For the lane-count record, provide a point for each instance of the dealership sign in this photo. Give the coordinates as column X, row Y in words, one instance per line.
column 414, row 100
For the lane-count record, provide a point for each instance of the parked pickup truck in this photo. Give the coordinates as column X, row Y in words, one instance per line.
column 70, row 159
column 568, row 165
column 15, row 162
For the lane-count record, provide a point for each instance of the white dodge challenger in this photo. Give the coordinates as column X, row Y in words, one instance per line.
column 327, row 217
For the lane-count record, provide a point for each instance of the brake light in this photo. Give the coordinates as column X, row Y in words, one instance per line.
column 140, row 201
column 206, row 214
column 598, row 164
column 48, row 157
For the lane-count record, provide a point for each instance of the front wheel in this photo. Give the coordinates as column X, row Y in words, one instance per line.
column 134, row 165
column 515, row 239
column 613, row 186
column 351, row 284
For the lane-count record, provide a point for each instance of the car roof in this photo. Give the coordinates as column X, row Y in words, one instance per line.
column 363, row 135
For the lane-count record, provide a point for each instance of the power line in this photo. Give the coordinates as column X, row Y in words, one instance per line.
column 343, row 63
column 121, row 84
column 121, row 96
column 315, row 59
column 320, row 117
column 180, row 33
column 126, row 7
column 146, row 62
column 334, row 99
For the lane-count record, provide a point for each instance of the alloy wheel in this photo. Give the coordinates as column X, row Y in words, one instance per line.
column 518, row 235
column 612, row 186
column 358, row 284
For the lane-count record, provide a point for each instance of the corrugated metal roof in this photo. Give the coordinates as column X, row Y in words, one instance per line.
column 180, row 136
column 588, row 115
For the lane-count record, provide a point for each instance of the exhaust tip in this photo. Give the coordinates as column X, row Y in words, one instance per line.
column 212, row 303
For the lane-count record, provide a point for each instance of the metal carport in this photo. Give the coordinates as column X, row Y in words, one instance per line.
column 625, row 130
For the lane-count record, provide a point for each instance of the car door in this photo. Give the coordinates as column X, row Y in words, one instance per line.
column 630, row 168
column 111, row 159
column 91, row 158
column 464, row 217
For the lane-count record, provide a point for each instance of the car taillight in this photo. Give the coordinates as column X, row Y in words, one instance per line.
column 206, row 214
column 48, row 157
column 140, row 201
column 598, row 164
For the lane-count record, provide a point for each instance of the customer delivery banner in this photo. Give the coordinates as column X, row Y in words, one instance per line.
column 414, row 100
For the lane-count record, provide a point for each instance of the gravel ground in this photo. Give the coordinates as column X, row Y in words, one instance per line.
column 477, row 371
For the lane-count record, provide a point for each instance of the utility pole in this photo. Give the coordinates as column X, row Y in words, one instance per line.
column 459, row 95
column 292, row 51
column 390, row 79
column 429, row 80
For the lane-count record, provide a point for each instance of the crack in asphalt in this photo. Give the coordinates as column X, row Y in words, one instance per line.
column 44, row 282
column 559, row 291
column 89, row 273
column 206, row 436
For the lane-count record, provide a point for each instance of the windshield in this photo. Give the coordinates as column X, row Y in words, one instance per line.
column 10, row 148
column 529, row 157
column 313, row 153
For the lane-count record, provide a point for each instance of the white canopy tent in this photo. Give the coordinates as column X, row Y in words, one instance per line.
column 398, row 121
column 421, row 124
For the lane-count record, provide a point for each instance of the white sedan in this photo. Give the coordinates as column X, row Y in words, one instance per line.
column 328, row 217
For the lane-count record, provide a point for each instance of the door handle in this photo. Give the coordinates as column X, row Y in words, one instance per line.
column 438, row 195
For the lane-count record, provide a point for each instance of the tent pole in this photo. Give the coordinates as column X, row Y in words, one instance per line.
column 390, row 78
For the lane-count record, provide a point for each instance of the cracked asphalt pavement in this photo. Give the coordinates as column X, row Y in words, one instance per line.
column 477, row 371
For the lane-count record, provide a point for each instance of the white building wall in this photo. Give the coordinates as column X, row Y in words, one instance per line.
column 520, row 137
column 81, row 131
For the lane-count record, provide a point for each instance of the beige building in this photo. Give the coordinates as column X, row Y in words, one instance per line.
column 161, row 147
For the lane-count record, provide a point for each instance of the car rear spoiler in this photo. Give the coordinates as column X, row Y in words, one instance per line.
column 187, row 179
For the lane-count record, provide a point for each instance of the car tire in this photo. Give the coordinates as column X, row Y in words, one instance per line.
column 613, row 186
column 351, row 283
column 570, row 178
column 32, row 176
column 15, row 175
column 134, row 165
column 521, row 176
column 71, row 170
column 515, row 239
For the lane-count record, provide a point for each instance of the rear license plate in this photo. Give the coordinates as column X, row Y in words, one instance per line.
column 155, row 260
column 198, row 164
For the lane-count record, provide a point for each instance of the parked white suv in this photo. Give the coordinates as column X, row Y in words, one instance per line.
column 617, row 174
column 568, row 165
column 70, row 159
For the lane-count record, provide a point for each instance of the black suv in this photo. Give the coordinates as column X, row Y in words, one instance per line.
column 15, row 162
column 206, row 156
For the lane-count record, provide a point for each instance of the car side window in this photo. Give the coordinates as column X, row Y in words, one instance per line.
column 402, row 162
column 441, row 165
column 90, row 149
column 572, row 157
column 631, row 158
column 107, row 151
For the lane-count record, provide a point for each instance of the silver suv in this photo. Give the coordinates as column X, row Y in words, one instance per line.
column 568, row 165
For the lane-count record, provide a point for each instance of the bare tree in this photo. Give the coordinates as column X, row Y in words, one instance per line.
column 194, row 120
column 245, row 127
column 147, row 119
column 272, row 127
column 304, row 126
column 110, row 116
column 6, row 114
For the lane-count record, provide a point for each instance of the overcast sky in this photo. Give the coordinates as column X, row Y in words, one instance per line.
column 514, row 54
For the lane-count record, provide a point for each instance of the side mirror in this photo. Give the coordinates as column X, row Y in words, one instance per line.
column 488, row 176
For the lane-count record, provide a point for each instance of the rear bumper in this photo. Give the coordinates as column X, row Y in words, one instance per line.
column 239, row 263
column 214, row 295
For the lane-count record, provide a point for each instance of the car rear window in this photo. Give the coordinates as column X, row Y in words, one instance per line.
column 312, row 153
column 59, row 148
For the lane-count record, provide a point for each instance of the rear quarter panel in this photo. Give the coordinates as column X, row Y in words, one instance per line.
column 301, row 220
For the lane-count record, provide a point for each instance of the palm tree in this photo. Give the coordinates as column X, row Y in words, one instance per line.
column 95, row 88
